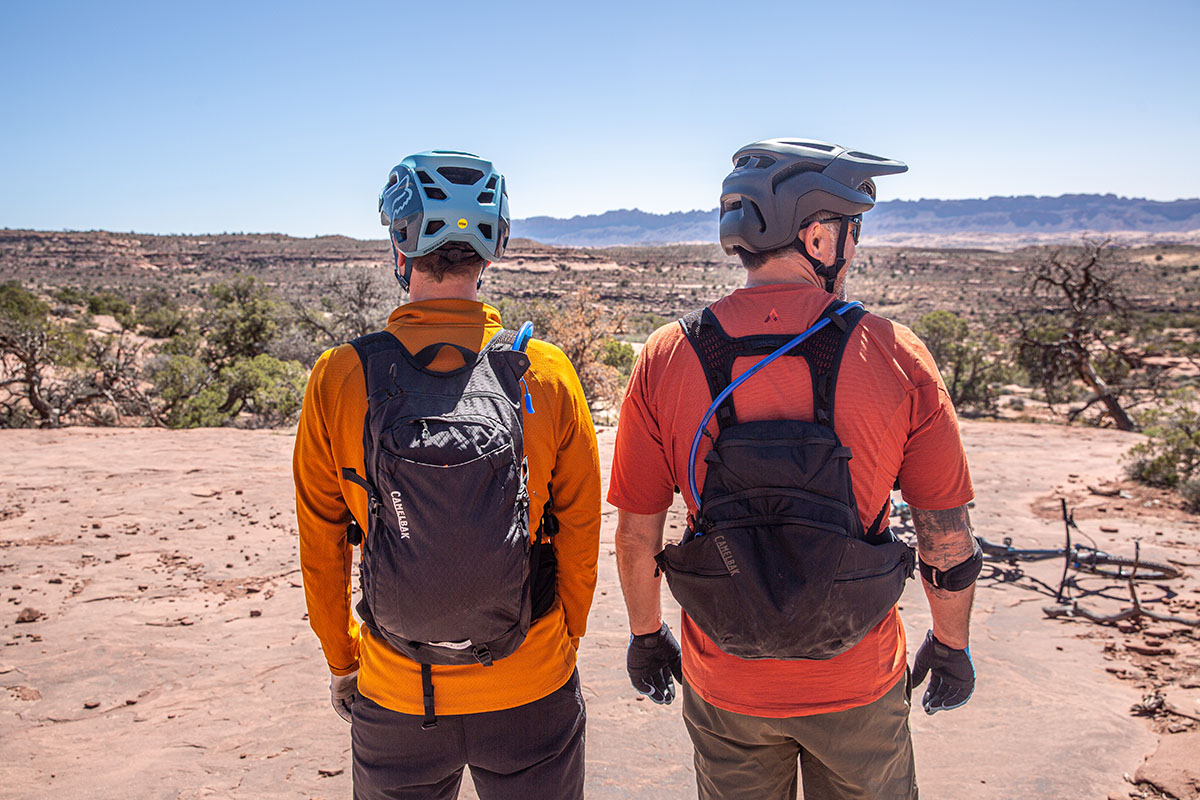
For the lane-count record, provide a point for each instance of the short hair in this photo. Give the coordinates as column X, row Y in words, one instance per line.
column 753, row 261
column 452, row 258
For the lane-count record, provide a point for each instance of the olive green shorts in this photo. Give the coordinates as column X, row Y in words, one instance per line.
column 863, row 752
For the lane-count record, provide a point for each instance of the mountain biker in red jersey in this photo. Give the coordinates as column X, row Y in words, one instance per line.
column 792, row 211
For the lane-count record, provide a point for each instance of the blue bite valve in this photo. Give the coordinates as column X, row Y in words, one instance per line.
column 524, row 334
column 528, row 397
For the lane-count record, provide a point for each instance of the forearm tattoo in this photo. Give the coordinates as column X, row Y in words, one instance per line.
column 944, row 538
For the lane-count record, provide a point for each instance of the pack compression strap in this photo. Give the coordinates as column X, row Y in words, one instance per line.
column 742, row 379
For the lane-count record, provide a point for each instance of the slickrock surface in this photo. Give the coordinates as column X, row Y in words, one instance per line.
column 155, row 643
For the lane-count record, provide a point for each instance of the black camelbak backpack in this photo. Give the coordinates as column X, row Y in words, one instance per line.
column 775, row 563
column 448, row 572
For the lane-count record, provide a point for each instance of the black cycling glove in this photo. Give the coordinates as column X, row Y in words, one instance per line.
column 651, row 660
column 953, row 678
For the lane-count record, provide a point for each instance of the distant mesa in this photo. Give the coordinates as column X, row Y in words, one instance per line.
column 993, row 215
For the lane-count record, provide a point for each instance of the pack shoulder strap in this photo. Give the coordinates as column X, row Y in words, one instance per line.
column 718, row 351
column 382, row 341
column 505, row 339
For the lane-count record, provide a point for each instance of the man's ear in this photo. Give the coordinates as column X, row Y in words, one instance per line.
column 400, row 260
column 811, row 238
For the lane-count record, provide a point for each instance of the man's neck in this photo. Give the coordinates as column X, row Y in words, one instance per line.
column 784, row 268
column 792, row 268
column 450, row 288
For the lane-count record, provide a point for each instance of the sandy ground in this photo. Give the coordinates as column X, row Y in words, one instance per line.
column 170, row 657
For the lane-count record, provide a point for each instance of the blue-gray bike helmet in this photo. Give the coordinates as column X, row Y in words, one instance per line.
column 444, row 196
column 778, row 183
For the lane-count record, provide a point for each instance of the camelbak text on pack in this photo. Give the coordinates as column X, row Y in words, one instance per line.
column 775, row 562
column 448, row 572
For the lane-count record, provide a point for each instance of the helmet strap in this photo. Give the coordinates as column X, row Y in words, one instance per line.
column 402, row 277
column 828, row 272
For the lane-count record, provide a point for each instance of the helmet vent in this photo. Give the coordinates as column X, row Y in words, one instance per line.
column 434, row 193
column 401, row 234
column 730, row 205
column 867, row 156
column 485, row 229
column 486, row 197
column 828, row 148
column 491, row 184
column 789, row 171
column 762, row 162
column 757, row 215
column 423, row 176
column 741, row 162
column 433, row 226
column 463, row 176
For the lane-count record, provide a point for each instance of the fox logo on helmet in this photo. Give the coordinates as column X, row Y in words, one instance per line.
column 406, row 193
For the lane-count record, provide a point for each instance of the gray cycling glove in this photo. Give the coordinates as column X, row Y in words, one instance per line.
column 651, row 660
column 343, row 689
column 953, row 678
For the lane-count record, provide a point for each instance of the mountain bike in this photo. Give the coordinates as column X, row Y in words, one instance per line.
column 1080, row 557
column 1076, row 556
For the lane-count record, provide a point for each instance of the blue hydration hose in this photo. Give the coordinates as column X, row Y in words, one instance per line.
column 524, row 334
column 783, row 350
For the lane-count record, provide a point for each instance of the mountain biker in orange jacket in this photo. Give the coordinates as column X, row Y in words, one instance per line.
column 518, row 723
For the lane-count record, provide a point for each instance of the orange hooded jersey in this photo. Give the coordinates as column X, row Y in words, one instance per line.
column 560, row 444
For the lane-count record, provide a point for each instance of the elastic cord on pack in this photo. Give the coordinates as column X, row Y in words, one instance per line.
column 720, row 398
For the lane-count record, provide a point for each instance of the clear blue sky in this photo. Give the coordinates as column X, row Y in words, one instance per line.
column 255, row 116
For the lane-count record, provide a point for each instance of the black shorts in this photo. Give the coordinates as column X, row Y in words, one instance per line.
column 534, row 750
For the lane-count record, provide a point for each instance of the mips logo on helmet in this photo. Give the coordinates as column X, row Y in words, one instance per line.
column 401, row 520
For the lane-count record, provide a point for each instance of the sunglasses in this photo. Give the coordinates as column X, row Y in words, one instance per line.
column 855, row 225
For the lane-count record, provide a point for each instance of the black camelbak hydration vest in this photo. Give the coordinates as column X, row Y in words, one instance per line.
column 448, row 572
column 775, row 562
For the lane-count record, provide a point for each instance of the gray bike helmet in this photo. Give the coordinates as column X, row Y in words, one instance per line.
column 777, row 183
column 444, row 196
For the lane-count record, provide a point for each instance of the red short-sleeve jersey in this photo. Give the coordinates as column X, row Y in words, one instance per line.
column 891, row 410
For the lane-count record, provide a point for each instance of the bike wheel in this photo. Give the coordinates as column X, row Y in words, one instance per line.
column 1123, row 568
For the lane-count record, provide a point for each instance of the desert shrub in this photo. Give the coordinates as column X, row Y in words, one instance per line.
column 620, row 356
column 270, row 390
column 1042, row 367
column 110, row 303
column 640, row 326
column 258, row 392
column 70, row 295
column 1170, row 456
column 219, row 373
column 971, row 363
column 160, row 316
column 1069, row 338
column 1190, row 492
column 241, row 318
column 54, row 372
column 351, row 302
column 514, row 313
column 580, row 327
column 20, row 308
column 183, row 392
